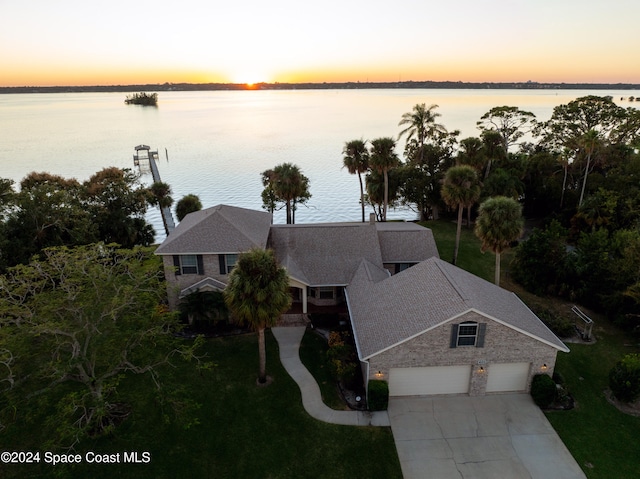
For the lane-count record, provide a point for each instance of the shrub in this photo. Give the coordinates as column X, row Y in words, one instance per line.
column 624, row 378
column 543, row 390
column 342, row 357
column 378, row 395
column 562, row 327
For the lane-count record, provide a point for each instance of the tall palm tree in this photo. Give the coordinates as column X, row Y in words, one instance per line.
column 461, row 189
column 257, row 294
column 499, row 223
column 356, row 161
column 382, row 159
column 588, row 143
column 421, row 124
column 287, row 184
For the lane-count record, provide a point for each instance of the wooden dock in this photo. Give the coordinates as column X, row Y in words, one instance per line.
column 145, row 155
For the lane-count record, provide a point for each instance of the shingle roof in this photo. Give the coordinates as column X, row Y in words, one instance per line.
column 402, row 242
column 325, row 254
column 425, row 296
column 220, row 229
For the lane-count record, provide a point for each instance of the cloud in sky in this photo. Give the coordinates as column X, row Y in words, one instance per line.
column 117, row 42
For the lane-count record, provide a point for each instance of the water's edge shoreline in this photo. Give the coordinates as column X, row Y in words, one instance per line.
column 529, row 85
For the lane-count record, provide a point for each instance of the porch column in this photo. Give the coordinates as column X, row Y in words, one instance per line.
column 304, row 299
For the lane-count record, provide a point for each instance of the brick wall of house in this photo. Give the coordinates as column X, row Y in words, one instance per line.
column 501, row 345
column 176, row 283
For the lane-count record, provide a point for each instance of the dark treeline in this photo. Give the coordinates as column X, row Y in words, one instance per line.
column 577, row 180
column 529, row 85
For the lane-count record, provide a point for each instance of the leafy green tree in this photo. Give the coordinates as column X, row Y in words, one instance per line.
column 502, row 182
column 73, row 325
column 540, row 260
column 117, row 203
column 257, row 293
column 382, row 159
column 188, row 204
column 48, row 211
column 285, row 184
column 573, row 120
column 493, row 149
column 510, row 122
column 356, row 161
column 461, row 189
column 499, row 223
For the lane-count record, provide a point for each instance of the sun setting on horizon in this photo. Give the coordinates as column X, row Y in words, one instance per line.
column 65, row 43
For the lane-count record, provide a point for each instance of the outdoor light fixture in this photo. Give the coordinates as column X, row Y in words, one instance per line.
column 379, row 374
column 544, row 367
column 481, row 370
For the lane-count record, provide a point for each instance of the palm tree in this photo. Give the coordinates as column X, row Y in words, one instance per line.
column 382, row 159
column 356, row 161
column 285, row 183
column 499, row 223
column 257, row 294
column 188, row 204
column 589, row 143
column 421, row 124
column 461, row 189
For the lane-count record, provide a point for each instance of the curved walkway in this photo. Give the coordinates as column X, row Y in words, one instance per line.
column 289, row 339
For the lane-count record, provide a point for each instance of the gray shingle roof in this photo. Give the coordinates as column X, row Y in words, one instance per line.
column 402, row 242
column 325, row 254
column 390, row 311
column 220, row 229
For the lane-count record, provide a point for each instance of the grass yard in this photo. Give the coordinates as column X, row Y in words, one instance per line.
column 245, row 431
column 470, row 258
column 604, row 441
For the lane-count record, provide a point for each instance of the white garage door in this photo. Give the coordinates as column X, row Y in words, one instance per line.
column 507, row 377
column 429, row 380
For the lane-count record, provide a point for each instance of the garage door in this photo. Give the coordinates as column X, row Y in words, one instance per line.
column 507, row 377
column 429, row 380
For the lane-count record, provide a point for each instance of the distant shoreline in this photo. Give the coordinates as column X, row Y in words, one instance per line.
column 322, row 86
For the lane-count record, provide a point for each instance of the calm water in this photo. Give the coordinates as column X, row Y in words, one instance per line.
column 218, row 143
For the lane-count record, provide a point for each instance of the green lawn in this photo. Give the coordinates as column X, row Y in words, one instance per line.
column 603, row 440
column 470, row 257
column 245, row 431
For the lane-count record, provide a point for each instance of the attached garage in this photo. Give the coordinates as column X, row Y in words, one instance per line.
column 507, row 377
column 429, row 380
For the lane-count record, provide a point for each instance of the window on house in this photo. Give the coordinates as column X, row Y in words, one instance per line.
column 188, row 264
column 326, row 293
column 468, row 333
column 227, row 262
column 402, row 266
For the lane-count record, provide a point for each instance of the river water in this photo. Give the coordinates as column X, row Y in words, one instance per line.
column 215, row 144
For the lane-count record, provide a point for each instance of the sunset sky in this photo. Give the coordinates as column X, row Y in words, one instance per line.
column 78, row 42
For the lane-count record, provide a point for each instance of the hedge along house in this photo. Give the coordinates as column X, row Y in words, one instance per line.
column 437, row 329
column 423, row 325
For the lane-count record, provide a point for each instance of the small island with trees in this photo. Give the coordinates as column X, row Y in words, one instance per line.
column 145, row 99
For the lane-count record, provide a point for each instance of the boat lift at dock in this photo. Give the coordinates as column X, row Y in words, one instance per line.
column 143, row 156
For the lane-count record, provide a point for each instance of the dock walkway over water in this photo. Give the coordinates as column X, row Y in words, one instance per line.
column 144, row 154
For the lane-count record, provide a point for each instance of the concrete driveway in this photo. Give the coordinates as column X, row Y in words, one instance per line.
column 498, row 436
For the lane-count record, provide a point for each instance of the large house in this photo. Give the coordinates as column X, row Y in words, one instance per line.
column 420, row 323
